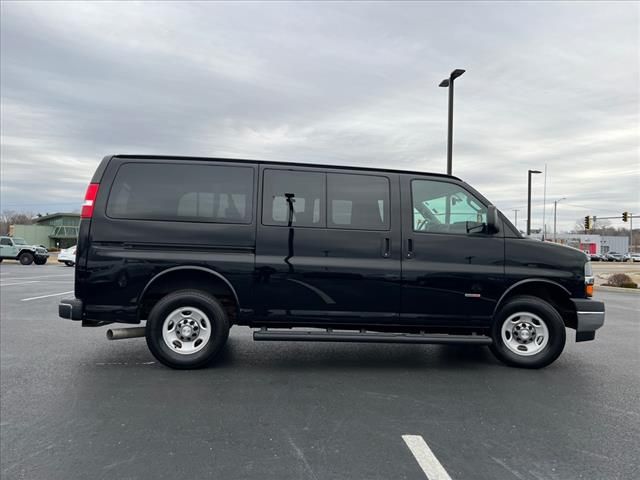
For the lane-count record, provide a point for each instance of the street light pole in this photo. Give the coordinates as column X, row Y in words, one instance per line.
column 555, row 207
column 529, row 200
column 448, row 82
column 516, row 212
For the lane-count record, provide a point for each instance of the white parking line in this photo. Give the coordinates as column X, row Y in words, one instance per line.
column 45, row 296
column 430, row 465
column 41, row 276
column 18, row 283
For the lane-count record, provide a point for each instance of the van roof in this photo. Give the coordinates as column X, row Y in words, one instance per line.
column 267, row 162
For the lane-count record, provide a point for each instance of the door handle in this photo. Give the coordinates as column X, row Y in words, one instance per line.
column 409, row 248
column 386, row 247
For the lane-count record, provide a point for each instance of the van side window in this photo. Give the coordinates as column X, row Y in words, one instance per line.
column 443, row 207
column 296, row 197
column 358, row 202
column 185, row 192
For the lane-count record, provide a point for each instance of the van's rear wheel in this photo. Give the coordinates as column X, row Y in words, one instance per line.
column 528, row 332
column 26, row 258
column 187, row 329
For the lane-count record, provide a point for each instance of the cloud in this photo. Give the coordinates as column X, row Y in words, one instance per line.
column 549, row 83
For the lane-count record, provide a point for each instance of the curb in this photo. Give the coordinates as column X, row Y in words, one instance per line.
column 616, row 289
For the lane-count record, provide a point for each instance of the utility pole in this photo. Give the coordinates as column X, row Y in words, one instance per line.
column 629, row 216
column 555, row 208
column 631, row 249
column 544, row 206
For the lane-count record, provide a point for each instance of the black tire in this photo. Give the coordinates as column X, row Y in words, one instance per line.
column 40, row 261
column 218, row 320
column 548, row 314
column 26, row 258
column 69, row 263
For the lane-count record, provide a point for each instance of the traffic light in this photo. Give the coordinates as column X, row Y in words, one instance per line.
column 625, row 216
column 587, row 223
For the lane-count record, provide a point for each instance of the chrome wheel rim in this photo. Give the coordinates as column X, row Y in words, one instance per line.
column 186, row 330
column 525, row 334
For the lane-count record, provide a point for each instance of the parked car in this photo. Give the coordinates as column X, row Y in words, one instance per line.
column 300, row 252
column 631, row 257
column 68, row 256
column 16, row 248
column 613, row 257
column 595, row 257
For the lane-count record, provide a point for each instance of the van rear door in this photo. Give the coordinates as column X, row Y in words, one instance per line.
column 328, row 247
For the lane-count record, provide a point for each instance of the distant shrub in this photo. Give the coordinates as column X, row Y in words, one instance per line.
column 621, row 280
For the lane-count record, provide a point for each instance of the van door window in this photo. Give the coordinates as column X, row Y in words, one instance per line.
column 293, row 197
column 443, row 207
column 358, row 201
column 184, row 192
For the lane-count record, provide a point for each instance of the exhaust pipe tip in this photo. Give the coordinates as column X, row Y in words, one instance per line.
column 122, row 333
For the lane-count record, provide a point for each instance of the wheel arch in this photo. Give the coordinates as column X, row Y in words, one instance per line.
column 188, row 277
column 548, row 290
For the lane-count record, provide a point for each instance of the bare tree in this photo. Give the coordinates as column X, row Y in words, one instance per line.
column 11, row 217
column 600, row 225
column 579, row 226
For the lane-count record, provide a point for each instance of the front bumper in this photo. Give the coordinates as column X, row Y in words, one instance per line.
column 589, row 318
column 70, row 308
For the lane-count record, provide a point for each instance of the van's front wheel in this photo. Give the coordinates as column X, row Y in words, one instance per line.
column 187, row 329
column 528, row 332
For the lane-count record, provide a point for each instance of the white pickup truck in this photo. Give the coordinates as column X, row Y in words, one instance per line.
column 14, row 248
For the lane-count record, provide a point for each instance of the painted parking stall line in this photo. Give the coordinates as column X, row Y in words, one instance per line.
column 46, row 296
column 430, row 465
column 17, row 283
column 70, row 276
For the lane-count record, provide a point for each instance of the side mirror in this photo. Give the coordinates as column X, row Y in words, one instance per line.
column 492, row 219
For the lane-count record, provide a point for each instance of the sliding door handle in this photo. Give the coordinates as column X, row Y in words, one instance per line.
column 386, row 247
column 409, row 248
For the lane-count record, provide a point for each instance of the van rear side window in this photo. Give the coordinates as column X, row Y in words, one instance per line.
column 293, row 197
column 358, row 202
column 182, row 192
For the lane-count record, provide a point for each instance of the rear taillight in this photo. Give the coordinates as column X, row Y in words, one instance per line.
column 89, row 200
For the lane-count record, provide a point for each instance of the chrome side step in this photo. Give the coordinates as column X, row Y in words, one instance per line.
column 265, row 334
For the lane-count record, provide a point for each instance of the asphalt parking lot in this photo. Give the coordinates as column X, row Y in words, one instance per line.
column 76, row 406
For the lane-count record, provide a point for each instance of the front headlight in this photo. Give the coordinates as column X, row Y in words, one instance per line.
column 588, row 279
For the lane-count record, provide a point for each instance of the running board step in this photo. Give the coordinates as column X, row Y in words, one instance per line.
column 368, row 337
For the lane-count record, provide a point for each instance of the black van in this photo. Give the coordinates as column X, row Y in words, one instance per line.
column 192, row 246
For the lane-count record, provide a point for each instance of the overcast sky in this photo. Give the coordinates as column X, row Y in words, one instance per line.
column 341, row 83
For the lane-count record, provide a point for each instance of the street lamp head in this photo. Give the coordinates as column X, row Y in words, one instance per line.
column 534, row 171
column 456, row 73
column 444, row 83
